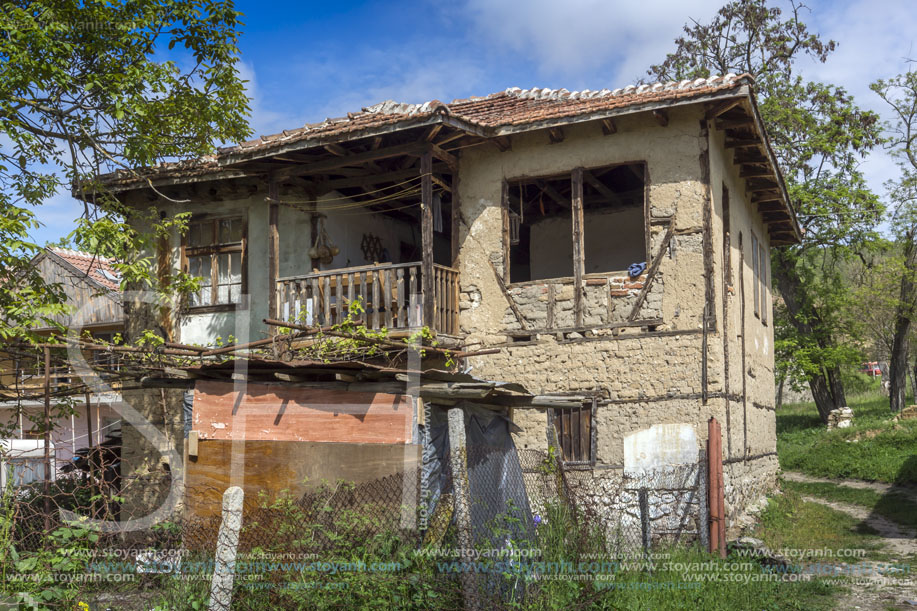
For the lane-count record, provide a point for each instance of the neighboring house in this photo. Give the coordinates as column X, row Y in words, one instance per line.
column 91, row 287
column 613, row 244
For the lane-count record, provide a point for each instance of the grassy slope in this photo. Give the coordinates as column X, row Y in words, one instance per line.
column 884, row 451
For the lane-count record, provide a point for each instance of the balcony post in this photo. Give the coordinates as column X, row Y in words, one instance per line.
column 273, row 253
column 426, row 200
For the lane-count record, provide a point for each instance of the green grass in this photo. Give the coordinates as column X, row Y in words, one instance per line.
column 732, row 585
column 875, row 448
column 895, row 507
column 788, row 522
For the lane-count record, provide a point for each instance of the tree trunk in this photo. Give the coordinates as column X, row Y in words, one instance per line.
column 914, row 380
column 904, row 313
column 827, row 388
column 779, row 397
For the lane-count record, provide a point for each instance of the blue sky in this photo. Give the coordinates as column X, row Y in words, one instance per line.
column 306, row 61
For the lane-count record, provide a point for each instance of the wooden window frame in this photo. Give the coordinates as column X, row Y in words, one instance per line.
column 555, row 423
column 754, row 273
column 214, row 250
column 578, row 274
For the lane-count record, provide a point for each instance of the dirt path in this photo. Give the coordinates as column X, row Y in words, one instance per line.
column 795, row 476
column 897, row 539
column 878, row 593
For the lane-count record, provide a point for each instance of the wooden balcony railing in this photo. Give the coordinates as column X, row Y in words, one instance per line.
column 391, row 296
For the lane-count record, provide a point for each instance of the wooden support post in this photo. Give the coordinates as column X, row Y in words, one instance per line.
column 227, row 545
column 93, row 489
column 461, row 498
column 274, row 264
column 715, row 491
column 504, row 212
column 47, row 486
column 579, row 264
column 645, row 528
column 426, row 199
column 273, row 255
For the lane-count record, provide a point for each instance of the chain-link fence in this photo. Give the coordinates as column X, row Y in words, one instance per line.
column 341, row 545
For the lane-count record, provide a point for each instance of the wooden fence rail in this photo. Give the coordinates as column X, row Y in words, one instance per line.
column 390, row 296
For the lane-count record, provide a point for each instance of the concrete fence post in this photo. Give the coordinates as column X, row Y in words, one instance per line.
column 458, row 462
column 227, row 545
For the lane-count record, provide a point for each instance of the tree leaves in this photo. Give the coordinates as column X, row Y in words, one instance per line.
column 87, row 87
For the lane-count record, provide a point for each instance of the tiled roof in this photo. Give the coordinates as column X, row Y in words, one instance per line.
column 511, row 107
column 506, row 110
column 94, row 267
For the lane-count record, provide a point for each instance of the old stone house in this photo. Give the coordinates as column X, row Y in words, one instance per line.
column 615, row 244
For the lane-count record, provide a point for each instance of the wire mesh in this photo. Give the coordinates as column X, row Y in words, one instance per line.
column 339, row 545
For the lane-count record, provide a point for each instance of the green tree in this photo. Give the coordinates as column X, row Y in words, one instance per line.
column 819, row 136
column 900, row 93
column 92, row 86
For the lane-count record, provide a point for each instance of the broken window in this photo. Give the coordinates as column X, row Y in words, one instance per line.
column 539, row 223
column 573, row 427
column 214, row 250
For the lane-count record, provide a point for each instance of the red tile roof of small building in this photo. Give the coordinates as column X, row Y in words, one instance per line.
column 97, row 269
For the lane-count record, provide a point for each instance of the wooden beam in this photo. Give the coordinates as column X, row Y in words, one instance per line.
column 367, row 180
column 325, row 165
column 337, row 149
column 503, row 143
column 552, row 193
column 579, row 264
column 504, row 212
column 441, row 183
column 748, row 158
column 734, row 123
column 651, row 272
column 723, row 107
column 599, row 186
column 448, row 158
column 734, row 143
column 609, row 126
column 555, row 134
column 768, row 194
column 751, row 171
column 377, row 142
column 426, row 227
column 431, row 133
column 509, row 298
column 662, row 117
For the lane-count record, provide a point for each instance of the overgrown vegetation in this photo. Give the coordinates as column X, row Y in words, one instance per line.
column 877, row 447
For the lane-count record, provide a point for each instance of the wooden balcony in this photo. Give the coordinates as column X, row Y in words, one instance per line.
column 391, row 295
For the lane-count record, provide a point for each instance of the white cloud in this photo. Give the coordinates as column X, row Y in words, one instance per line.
column 874, row 41
column 576, row 38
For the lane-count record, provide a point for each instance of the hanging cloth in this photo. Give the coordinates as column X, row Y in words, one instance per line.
column 437, row 213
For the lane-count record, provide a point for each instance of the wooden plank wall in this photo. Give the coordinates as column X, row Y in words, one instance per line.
column 269, row 467
column 265, row 412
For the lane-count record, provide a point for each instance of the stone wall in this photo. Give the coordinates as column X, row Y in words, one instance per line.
column 673, row 372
